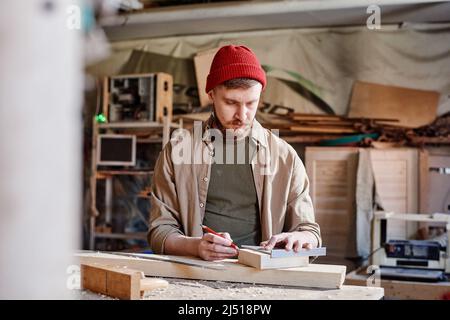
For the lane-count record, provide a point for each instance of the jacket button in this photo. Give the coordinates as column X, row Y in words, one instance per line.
column 202, row 204
column 205, row 179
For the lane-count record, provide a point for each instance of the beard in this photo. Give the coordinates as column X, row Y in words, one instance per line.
column 237, row 129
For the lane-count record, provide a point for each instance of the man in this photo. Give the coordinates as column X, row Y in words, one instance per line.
column 250, row 186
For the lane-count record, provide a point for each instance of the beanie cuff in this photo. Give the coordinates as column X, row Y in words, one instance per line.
column 233, row 71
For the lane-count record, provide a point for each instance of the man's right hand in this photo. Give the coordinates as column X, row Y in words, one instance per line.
column 213, row 247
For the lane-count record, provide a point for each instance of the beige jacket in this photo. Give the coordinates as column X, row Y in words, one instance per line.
column 179, row 189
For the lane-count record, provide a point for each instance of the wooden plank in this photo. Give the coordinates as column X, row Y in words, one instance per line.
column 105, row 102
column 164, row 97
column 413, row 108
column 307, row 116
column 326, row 117
column 435, row 217
column 202, row 64
column 118, row 282
column 323, row 129
column 423, row 181
column 339, row 123
column 307, row 139
column 314, row 275
column 263, row 261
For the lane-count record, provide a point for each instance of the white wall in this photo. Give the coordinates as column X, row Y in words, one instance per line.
column 40, row 148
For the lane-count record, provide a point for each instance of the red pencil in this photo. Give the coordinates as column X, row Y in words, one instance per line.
column 209, row 230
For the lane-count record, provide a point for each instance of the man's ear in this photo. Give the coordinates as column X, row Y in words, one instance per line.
column 210, row 96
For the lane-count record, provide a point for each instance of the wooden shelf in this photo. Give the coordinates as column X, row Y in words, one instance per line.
column 137, row 235
column 106, row 173
column 149, row 140
column 134, row 124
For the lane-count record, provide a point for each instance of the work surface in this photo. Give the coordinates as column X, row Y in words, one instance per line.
column 236, row 281
column 314, row 275
column 183, row 289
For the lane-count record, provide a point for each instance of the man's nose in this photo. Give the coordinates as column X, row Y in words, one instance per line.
column 241, row 113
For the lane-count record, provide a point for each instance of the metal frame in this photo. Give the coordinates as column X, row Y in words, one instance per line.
column 116, row 163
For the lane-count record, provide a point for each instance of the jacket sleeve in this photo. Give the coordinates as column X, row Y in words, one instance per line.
column 164, row 212
column 300, row 211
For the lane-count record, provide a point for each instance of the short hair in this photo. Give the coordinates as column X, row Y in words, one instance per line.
column 240, row 83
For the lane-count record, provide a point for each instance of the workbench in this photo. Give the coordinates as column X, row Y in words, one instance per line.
column 191, row 278
column 184, row 289
column 399, row 289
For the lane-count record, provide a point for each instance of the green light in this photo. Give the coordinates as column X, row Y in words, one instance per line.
column 100, row 118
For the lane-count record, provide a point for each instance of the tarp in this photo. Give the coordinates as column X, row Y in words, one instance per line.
column 412, row 56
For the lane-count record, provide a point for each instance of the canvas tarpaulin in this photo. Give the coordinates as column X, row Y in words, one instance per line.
column 413, row 56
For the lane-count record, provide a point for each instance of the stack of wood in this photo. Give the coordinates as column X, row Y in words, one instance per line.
column 298, row 127
column 322, row 123
column 314, row 128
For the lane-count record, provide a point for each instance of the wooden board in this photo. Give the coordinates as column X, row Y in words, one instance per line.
column 423, row 181
column 314, row 275
column 164, row 96
column 413, row 108
column 332, row 176
column 202, row 63
column 263, row 261
column 396, row 174
column 117, row 282
column 323, row 129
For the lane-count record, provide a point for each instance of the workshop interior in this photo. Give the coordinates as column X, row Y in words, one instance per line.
column 359, row 90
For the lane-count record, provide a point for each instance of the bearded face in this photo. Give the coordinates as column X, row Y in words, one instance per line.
column 236, row 108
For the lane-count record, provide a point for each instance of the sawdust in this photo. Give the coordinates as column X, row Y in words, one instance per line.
column 182, row 289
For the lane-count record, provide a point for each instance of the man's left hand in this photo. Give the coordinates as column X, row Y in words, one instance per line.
column 291, row 240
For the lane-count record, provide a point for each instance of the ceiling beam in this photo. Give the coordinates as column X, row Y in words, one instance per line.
column 247, row 16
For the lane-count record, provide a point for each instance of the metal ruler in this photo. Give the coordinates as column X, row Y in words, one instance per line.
column 282, row 253
column 180, row 260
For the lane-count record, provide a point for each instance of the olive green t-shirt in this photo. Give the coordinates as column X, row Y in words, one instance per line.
column 232, row 202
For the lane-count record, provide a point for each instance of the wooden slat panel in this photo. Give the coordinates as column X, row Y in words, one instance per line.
column 438, row 189
column 396, row 174
column 332, row 174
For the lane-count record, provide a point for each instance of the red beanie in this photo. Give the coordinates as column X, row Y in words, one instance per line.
column 232, row 62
